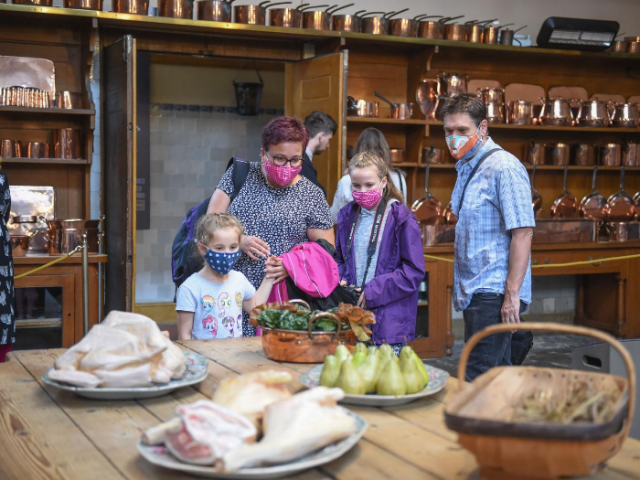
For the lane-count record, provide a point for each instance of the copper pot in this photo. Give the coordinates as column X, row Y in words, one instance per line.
column 630, row 154
column 404, row 27
column 560, row 154
column 67, row 143
column 20, row 244
column 254, row 14
column 611, row 155
column 10, row 149
column 491, row 95
column 38, row 150
column 316, row 20
column 427, row 97
column 625, row 115
column 430, row 29
column 593, row 113
column 40, row 3
column 491, row 35
column 347, row 23
column 633, row 47
column 455, row 31
column 135, row 7
column 377, row 25
column 175, row 8
column 556, row 112
column 65, row 235
column 305, row 346
column 397, row 155
column 213, row 10
column 84, row 4
column 285, row 17
column 33, row 226
column 434, row 155
column 585, row 154
column 619, row 46
column 452, row 84
column 520, row 112
column 475, row 30
column 69, row 100
column 362, row 108
column 495, row 113
column 535, row 153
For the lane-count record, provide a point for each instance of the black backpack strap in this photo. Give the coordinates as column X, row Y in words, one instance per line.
column 473, row 172
column 238, row 174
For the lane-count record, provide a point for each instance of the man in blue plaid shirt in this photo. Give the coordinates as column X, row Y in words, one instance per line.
column 492, row 201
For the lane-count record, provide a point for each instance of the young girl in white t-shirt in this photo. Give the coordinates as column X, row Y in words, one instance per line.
column 210, row 302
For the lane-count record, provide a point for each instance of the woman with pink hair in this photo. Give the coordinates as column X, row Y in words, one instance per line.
column 278, row 207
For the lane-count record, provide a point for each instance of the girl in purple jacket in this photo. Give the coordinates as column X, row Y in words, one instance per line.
column 379, row 249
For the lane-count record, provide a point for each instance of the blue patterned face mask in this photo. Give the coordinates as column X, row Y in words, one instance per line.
column 221, row 263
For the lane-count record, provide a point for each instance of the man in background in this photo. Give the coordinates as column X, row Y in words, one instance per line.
column 321, row 128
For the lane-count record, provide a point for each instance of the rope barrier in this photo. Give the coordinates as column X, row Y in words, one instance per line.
column 47, row 265
column 555, row 265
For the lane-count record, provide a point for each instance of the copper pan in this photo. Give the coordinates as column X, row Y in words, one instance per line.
column 397, row 155
column 536, row 198
column 84, row 4
column 620, row 206
column 376, row 25
column 175, row 8
column 136, row 7
column 65, row 235
column 347, row 23
column 20, row 244
column 431, row 29
column 630, row 153
column 428, row 209
column 566, row 204
column 434, row 155
column 285, row 17
column 213, row 10
column 405, row 27
column 475, row 29
column 594, row 205
column 305, row 347
column 40, row 3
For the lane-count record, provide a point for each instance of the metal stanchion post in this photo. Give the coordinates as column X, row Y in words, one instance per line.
column 85, row 282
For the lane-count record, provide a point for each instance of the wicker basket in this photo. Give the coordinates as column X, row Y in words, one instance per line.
column 510, row 449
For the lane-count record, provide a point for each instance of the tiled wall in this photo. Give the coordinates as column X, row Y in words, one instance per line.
column 190, row 148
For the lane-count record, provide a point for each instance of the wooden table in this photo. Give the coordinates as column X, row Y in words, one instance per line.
column 48, row 434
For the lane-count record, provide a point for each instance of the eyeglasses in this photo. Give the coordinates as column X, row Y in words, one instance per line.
column 281, row 160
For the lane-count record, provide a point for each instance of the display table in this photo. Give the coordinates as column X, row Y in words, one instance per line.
column 608, row 295
column 53, row 434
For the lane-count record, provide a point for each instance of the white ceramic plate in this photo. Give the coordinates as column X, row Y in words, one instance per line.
column 196, row 372
column 162, row 457
column 437, row 380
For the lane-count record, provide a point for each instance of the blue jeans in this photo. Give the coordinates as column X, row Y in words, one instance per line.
column 492, row 351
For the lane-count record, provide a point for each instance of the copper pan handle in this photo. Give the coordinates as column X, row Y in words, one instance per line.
column 318, row 315
column 300, row 302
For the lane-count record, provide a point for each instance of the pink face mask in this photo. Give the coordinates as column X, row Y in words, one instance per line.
column 368, row 199
column 281, row 176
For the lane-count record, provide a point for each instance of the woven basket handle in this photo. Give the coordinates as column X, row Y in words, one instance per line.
column 556, row 328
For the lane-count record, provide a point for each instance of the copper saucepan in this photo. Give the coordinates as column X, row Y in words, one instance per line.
column 134, row 7
column 399, row 111
column 566, row 204
column 20, row 244
column 175, row 8
column 318, row 19
column 594, row 205
column 475, row 29
column 434, row 155
column 431, row 29
column 347, row 23
column 428, row 209
column 65, row 235
column 405, row 27
column 378, row 24
column 491, row 34
column 254, row 14
column 286, row 17
column 454, row 31
column 620, row 206
column 213, row 10
column 397, row 155
column 362, row 108
column 83, row 4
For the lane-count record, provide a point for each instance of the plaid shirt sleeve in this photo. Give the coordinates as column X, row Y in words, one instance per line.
column 514, row 193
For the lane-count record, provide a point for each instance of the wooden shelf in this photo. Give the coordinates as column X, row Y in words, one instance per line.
column 47, row 111
column 386, row 121
column 406, row 165
column 44, row 161
column 546, row 128
column 451, row 166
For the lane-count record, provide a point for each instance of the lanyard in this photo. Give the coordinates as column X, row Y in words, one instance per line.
column 473, row 172
column 373, row 238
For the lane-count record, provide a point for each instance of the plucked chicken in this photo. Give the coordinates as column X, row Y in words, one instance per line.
column 293, row 428
column 125, row 350
column 250, row 394
column 202, row 433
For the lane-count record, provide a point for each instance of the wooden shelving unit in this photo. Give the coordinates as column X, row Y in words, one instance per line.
column 47, row 111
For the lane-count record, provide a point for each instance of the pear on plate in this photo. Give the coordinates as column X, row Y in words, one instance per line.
column 372, row 350
column 342, row 353
column 412, row 377
column 360, row 347
column 369, row 372
column 330, row 371
column 349, row 379
column 359, row 358
column 391, row 381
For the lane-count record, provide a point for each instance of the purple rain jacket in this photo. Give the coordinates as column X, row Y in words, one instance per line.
column 392, row 295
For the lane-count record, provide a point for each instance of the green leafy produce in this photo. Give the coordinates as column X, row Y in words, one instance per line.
column 293, row 317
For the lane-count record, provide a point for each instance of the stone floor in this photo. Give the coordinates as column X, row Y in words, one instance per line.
column 549, row 350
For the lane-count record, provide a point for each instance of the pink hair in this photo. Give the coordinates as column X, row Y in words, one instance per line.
column 284, row 129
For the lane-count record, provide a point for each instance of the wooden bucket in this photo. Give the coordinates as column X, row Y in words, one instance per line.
column 512, row 449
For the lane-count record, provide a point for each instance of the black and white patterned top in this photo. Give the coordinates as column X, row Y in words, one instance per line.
column 7, row 314
column 279, row 216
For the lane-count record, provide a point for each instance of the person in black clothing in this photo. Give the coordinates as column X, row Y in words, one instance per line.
column 321, row 128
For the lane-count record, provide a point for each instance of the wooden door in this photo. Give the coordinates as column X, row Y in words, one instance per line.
column 120, row 143
column 320, row 84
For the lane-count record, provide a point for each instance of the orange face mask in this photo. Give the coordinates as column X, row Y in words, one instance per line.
column 463, row 147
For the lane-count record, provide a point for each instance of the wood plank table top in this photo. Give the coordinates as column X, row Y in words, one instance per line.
column 51, row 434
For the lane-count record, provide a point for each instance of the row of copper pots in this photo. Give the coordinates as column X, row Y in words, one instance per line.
column 61, row 235
column 36, row 98
column 66, row 145
column 628, row 45
column 589, row 113
column 583, row 154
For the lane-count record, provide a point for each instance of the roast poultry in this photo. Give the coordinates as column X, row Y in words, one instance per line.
column 250, row 394
column 125, row 350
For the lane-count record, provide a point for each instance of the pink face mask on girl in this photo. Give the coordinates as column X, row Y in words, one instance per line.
column 281, row 175
column 368, row 199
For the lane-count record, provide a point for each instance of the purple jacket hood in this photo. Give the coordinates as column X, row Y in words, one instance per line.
column 392, row 295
